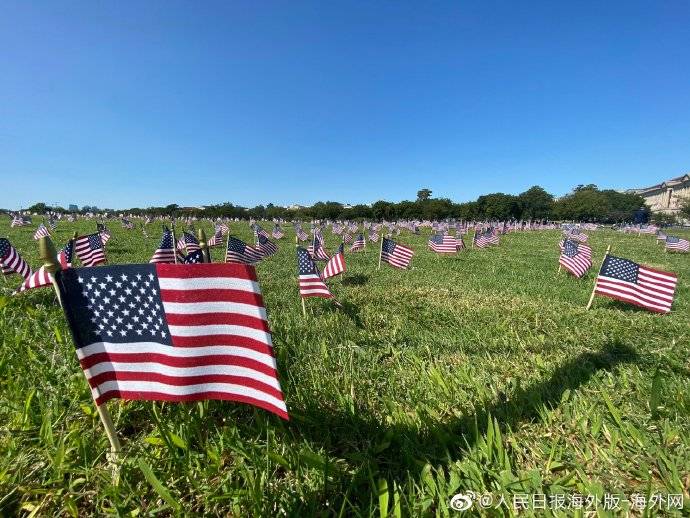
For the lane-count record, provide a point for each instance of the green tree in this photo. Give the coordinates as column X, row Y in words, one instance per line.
column 423, row 194
column 535, row 203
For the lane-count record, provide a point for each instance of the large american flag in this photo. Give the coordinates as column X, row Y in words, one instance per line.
column 443, row 244
column 677, row 244
column 240, row 252
column 637, row 284
column 395, row 254
column 90, row 249
column 575, row 257
column 336, row 264
column 310, row 281
column 169, row 332
column 165, row 253
column 11, row 261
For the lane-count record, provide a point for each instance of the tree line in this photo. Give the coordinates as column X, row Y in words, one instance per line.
column 584, row 203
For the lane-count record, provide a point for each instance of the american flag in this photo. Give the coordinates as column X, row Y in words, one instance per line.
column 373, row 236
column 20, row 221
column 575, row 257
column 194, row 257
column 65, row 255
column 41, row 231
column 166, row 332
column 443, row 244
column 11, row 261
column 127, row 224
column 52, row 222
column 240, row 252
column 104, row 233
column 310, row 282
column 491, row 237
column 481, row 238
column 395, row 254
column 277, row 232
column 188, row 242
column 336, row 264
column 38, row 279
column 216, row 239
column 259, row 231
column 358, row 243
column 637, row 284
column 301, row 234
column 347, row 238
column 90, row 249
column 677, row 244
column 576, row 234
column 165, row 253
column 317, row 251
column 265, row 245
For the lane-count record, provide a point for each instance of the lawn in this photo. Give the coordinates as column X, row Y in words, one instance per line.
column 481, row 372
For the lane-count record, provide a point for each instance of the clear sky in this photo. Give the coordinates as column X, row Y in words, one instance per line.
column 123, row 104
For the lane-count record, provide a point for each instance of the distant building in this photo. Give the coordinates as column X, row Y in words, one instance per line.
column 294, row 207
column 73, row 207
column 666, row 197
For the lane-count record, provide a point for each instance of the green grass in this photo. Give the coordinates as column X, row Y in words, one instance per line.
column 479, row 372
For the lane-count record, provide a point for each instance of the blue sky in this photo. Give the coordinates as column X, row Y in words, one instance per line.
column 125, row 104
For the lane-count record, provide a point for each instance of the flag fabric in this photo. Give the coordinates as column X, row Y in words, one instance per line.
column 11, row 261
column 65, row 255
column 188, row 242
column 259, row 231
column 41, row 231
column 336, row 264
column 347, row 238
column 38, row 279
column 636, row 284
column 317, row 251
column 310, row 282
column 396, row 254
column 172, row 333
column 240, row 252
column 481, row 239
column 277, row 232
column 301, row 234
column 265, row 245
column 358, row 243
column 90, row 249
column 575, row 257
column 373, row 236
column 104, row 233
column 677, row 244
column 443, row 244
column 165, row 253
column 195, row 257
column 216, row 239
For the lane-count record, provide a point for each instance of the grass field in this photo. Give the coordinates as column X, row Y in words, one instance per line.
column 479, row 372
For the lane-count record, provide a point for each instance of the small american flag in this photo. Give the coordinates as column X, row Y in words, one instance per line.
column 336, row 264
column 677, row 244
column 90, row 249
column 195, row 257
column 11, row 261
column 317, row 251
column 347, row 238
column 165, row 253
column 41, row 231
column 310, row 282
column 373, row 236
column 259, row 231
column 104, row 233
column 443, row 244
column 637, row 284
column 301, row 234
column 188, row 242
column 277, row 232
column 65, row 255
column 575, row 257
column 216, row 238
column 481, row 239
column 265, row 245
column 172, row 333
column 395, row 254
column 240, row 252
column 358, row 243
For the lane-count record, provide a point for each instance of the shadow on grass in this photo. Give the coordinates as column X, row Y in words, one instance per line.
column 355, row 280
column 398, row 452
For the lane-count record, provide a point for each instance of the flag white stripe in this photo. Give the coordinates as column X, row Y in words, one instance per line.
column 208, row 283
column 195, row 308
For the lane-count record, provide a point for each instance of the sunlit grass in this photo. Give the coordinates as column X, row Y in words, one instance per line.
column 479, row 372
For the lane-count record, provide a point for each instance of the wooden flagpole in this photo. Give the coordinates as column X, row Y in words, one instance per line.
column 381, row 250
column 304, row 306
column 172, row 224
column 594, row 289
column 201, row 236
column 49, row 255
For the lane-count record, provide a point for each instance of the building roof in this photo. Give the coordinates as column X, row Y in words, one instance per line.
column 663, row 185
